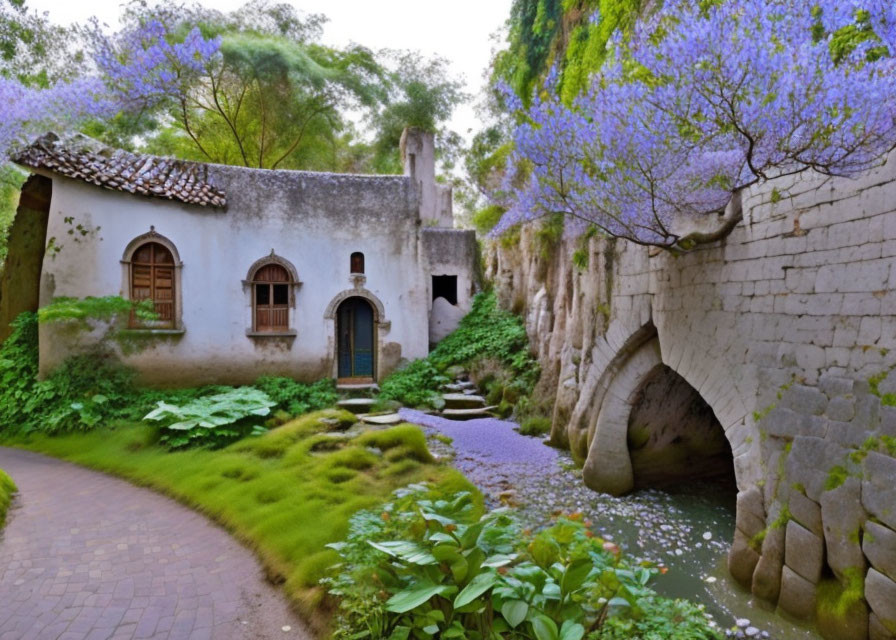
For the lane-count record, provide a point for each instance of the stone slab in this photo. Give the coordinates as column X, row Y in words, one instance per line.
column 463, row 401
column 879, row 545
column 356, row 405
column 803, row 552
column 468, row 414
column 797, row 595
column 389, row 418
column 879, row 489
column 750, row 516
column 877, row 630
column 742, row 559
column 880, row 592
column 843, row 516
column 807, row 512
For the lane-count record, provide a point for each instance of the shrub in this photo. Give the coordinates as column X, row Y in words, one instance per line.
column 535, row 426
column 212, row 420
column 423, row 567
column 416, row 385
column 80, row 393
column 18, row 371
column 297, row 398
column 487, row 333
column 7, row 489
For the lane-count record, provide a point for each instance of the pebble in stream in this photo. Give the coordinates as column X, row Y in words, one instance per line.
column 542, row 482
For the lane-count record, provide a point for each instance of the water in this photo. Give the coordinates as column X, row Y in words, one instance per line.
column 688, row 531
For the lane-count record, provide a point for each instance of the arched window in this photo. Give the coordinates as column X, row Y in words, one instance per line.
column 357, row 262
column 270, row 298
column 153, row 278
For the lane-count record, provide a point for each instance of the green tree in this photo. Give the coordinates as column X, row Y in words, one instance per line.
column 273, row 97
column 422, row 94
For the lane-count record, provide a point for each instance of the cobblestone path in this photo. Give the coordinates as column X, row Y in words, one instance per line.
column 88, row 556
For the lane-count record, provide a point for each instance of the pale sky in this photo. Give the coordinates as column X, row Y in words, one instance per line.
column 459, row 30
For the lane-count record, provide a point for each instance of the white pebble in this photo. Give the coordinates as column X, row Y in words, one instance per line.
column 287, row 628
column 707, row 535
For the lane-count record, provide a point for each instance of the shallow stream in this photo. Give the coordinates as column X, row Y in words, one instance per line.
column 688, row 531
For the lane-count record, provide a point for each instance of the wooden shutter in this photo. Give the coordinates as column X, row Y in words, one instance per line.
column 152, row 278
column 357, row 262
column 271, row 298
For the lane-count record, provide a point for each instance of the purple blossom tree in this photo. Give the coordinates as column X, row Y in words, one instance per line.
column 705, row 100
column 136, row 70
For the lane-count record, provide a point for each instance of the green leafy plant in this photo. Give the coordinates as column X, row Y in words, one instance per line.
column 415, row 385
column 212, row 420
column 82, row 392
column 487, row 333
column 18, row 370
column 297, row 398
column 424, row 568
column 106, row 308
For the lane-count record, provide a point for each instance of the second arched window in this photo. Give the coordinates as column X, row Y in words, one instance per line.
column 270, row 304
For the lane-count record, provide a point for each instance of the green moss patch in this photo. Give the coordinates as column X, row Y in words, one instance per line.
column 836, row 477
column 283, row 500
column 7, row 489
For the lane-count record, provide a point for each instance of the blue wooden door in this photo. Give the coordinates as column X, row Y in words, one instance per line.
column 355, row 339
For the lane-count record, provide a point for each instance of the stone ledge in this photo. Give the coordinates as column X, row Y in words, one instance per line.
column 292, row 333
column 148, row 333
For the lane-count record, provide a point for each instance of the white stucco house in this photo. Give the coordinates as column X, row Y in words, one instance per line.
column 251, row 271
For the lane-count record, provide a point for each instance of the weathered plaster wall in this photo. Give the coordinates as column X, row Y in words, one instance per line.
column 313, row 220
column 787, row 330
column 450, row 252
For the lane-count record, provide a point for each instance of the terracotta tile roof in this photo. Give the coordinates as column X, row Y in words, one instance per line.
column 86, row 159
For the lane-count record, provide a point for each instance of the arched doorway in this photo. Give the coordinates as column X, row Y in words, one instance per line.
column 355, row 343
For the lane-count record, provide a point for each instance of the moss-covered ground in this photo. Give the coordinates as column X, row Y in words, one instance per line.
column 285, row 494
column 7, row 489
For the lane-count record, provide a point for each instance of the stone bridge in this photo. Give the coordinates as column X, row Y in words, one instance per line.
column 769, row 354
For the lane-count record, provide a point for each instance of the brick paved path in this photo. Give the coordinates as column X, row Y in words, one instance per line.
column 85, row 555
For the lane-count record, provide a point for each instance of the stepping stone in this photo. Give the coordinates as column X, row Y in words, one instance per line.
column 389, row 418
column 463, row 401
column 372, row 387
column 453, row 388
column 356, row 405
column 468, row 414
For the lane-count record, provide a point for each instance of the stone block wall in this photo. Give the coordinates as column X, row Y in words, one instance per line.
column 787, row 329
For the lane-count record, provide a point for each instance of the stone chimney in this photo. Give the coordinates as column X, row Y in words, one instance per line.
column 418, row 159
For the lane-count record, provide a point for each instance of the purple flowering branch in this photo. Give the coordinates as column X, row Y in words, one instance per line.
column 702, row 103
column 138, row 69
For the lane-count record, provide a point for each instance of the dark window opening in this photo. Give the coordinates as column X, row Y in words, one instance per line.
column 445, row 287
column 262, row 294
column 357, row 262
column 281, row 294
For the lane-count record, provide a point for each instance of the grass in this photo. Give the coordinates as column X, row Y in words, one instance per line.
column 285, row 494
column 7, row 489
column 535, row 426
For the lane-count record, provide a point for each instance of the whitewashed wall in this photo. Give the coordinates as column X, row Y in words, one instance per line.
column 313, row 220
